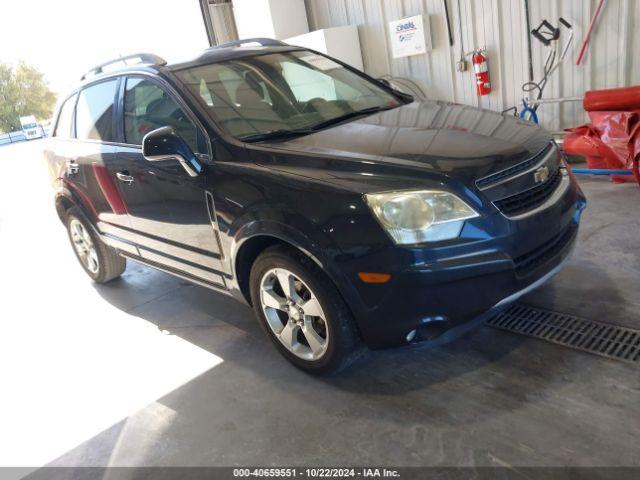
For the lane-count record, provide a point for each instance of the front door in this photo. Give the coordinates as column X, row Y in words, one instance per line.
column 169, row 210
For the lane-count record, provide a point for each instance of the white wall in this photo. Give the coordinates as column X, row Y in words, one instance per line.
column 342, row 43
column 270, row 18
column 613, row 57
column 289, row 18
column 253, row 18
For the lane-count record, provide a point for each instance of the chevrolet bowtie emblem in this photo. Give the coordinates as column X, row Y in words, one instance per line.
column 541, row 175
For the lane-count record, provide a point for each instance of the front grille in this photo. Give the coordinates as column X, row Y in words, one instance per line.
column 511, row 171
column 602, row 339
column 531, row 260
column 529, row 199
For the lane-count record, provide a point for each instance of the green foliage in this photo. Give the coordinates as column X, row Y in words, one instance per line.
column 23, row 91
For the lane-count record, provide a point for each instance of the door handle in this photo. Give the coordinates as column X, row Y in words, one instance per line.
column 72, row 167
column 124, row 177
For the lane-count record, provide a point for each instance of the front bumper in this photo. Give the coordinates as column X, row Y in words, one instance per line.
column 427, row 299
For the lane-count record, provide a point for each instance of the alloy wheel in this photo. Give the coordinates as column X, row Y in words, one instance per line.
column 84, row 246
column 294, row 314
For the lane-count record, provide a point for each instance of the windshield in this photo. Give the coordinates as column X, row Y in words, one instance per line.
column 264, row 96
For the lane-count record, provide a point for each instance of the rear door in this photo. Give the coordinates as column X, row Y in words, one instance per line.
column 58, row 146
column 91, row 156
column 169, row 210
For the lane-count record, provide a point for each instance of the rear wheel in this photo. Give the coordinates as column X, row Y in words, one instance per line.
column 302, row 312
column 101, row 262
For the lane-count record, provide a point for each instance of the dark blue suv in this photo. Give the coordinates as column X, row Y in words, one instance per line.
column 345, row 212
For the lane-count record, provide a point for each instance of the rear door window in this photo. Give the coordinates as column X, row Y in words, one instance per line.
column 65, row 118
column 94, row 112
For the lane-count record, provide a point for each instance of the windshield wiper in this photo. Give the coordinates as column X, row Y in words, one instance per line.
column 351, row 115
column 284, row 133
column 276, row 134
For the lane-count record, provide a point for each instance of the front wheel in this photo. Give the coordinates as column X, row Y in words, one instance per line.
column 302, row 312
column 101, row 262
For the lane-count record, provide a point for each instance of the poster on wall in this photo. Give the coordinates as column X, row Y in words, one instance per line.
column 410, row 36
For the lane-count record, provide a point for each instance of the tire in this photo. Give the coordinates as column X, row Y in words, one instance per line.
column 103, row 264
column 336, row 340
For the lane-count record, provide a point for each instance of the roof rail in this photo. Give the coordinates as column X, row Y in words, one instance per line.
column 143, row 58
column 265, row 42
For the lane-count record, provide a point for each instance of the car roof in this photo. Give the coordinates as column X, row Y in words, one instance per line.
column 152, row 63
column 225, row 53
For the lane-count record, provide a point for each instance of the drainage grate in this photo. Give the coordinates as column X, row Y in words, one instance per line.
column 593, row 337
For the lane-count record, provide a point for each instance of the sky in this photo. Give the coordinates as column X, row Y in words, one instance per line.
column 65, row 38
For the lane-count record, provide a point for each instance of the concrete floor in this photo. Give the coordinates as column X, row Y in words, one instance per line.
column 152, row 371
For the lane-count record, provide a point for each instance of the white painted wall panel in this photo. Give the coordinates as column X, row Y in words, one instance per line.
column 341, row 42
column 613, row 57
column 270, row 18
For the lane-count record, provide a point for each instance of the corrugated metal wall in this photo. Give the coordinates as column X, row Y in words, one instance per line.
column 613, row 57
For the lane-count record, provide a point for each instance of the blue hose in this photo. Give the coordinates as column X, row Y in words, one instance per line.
column 527, row 109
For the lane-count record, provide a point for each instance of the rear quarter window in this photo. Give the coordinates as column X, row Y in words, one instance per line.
column 65, row 118
column 94, row 111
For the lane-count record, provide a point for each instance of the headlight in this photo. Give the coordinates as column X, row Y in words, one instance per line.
column 420, row 215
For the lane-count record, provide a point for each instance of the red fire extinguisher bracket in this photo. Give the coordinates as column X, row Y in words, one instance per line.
column 481, row 70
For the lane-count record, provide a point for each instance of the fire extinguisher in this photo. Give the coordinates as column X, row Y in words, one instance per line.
column 481, row 69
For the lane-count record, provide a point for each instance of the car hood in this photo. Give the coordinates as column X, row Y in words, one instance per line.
column 428, row 138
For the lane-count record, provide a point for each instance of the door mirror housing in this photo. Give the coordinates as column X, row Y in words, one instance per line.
column 165, row 144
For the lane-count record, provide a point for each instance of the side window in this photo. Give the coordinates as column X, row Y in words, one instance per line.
column 94, row 112
column 65, row 118
column 147, row 107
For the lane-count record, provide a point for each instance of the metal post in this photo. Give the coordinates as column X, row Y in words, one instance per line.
column 208, row 25
column 528, row 21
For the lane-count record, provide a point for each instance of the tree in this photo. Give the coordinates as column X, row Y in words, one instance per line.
column 23, row 91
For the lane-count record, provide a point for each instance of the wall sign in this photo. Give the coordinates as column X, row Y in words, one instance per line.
column 410, row 36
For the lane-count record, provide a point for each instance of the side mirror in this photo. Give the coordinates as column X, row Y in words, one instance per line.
column 165, row 144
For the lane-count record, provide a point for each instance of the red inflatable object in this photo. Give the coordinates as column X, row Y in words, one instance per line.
column 626, row 98
column 612, row 140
